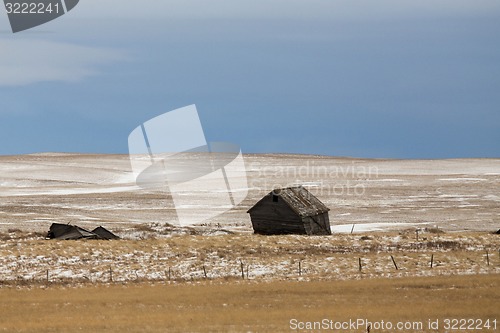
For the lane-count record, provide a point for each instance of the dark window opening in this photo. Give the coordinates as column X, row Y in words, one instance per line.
column 275, row 198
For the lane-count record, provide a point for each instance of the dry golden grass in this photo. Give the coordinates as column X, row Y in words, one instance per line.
column 246, row 306
column 26, row 261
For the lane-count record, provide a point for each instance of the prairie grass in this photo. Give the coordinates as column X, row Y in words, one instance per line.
column 237, row 306
column 265, row 257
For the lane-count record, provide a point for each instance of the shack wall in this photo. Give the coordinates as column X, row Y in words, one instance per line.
column 275, row 217
column 317, row 225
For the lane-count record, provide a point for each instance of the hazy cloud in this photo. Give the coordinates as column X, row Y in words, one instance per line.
column 28, row 61
column 302, row 9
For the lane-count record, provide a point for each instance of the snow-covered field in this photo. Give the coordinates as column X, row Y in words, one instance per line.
column 29, row 259
column 373, row 194
column 376, row 207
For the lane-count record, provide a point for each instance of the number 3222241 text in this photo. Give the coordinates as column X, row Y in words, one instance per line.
column 31, row 8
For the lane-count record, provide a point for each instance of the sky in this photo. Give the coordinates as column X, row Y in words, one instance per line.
column 381, row 79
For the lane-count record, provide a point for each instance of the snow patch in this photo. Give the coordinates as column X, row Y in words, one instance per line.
column 463, row 179
column 364, row 227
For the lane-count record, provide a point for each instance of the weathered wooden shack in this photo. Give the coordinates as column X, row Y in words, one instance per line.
column 292, row 210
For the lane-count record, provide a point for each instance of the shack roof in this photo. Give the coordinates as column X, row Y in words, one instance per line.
column 66, row 231
column 300, row 200
column 104, row 233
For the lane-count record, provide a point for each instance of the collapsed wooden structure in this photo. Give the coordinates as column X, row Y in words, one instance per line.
column 68, row 231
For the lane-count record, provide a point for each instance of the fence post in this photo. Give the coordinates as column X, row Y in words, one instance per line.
column 48, row 276
column 204, row 271
column 359, row 263
column 416, row 233
column 432, row 260
column 242, row 270
column 300, row 267
column 111, row 274
column 394, row 262
column 487, row 258
column 352, row 229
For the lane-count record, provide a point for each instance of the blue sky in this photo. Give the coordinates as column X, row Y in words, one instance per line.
column 399, row 79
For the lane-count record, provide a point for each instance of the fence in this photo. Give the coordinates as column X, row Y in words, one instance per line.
column 338, row 266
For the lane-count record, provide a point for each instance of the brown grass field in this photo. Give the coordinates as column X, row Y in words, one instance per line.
column 236, row 306
column 274, row 295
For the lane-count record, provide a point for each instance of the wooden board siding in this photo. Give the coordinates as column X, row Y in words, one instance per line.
column 317, row 225
column 277, row 227
column 273, row 218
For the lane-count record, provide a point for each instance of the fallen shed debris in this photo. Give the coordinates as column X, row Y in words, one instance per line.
column 67, row 231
